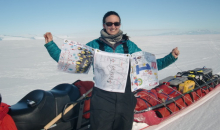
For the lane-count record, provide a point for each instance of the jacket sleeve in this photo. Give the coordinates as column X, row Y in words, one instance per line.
column 161, row 63
column 94, row 44
column 166, row 61
column 89, row 43
column 53, row 50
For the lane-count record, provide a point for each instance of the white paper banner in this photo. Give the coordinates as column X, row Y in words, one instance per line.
column 111, row 70
column 75, row 57
column 144, row 72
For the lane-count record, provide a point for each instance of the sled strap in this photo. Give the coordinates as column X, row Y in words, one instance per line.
column 67, row 110
column 102, row 48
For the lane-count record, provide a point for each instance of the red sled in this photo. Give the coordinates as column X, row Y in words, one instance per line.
column 191, row 100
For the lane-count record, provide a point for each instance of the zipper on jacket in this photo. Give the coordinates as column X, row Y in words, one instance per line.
column 117, row 46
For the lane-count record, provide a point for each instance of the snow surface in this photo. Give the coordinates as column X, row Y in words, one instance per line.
column 26, row 66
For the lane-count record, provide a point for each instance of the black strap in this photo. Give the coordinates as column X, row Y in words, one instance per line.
column 125, row 47
column 101, row 46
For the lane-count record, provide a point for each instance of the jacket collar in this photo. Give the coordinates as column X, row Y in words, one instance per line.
column 113, row 46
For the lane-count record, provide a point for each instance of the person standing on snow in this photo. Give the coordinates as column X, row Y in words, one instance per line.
column 112, row 110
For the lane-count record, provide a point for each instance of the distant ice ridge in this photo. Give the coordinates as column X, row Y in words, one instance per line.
column 63, row 37
column 31, row 37
column 20, row 37
column 196, row 32
column 80, row 35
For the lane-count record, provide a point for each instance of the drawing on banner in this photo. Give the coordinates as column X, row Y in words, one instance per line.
column 144, row 72
column 110, row 70
column 75, row 57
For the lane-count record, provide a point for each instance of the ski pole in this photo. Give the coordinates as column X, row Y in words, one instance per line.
column 67, row 110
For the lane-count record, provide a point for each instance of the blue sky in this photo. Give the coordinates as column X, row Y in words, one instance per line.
column 85, row 16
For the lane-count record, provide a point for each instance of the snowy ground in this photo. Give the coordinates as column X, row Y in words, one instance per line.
column 26, row 66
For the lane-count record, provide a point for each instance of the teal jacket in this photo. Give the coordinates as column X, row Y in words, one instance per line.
column 54, row 51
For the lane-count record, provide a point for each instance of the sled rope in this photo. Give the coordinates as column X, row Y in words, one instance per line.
column 198, row 85
column 165, row 104
column 67, row 110
column 175, row 102
column 180, row 94
column 160, row 102
column 201, row 87
column 178, row 67
column 152, row 97
column 210, row 78
column 198, row 95
column 207, row 84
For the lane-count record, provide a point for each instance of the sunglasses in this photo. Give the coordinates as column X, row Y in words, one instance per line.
column 115, row 23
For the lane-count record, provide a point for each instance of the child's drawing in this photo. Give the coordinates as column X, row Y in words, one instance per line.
column 75, row 57
column 144, row 72
column 111, row 70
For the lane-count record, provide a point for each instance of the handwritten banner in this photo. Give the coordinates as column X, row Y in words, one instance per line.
column 111, row 70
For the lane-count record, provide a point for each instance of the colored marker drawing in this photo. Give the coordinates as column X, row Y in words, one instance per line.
column 110, row 70
column 144, row 72
column 75, row 57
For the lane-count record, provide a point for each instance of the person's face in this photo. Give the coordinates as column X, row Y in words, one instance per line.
column 112, row 30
